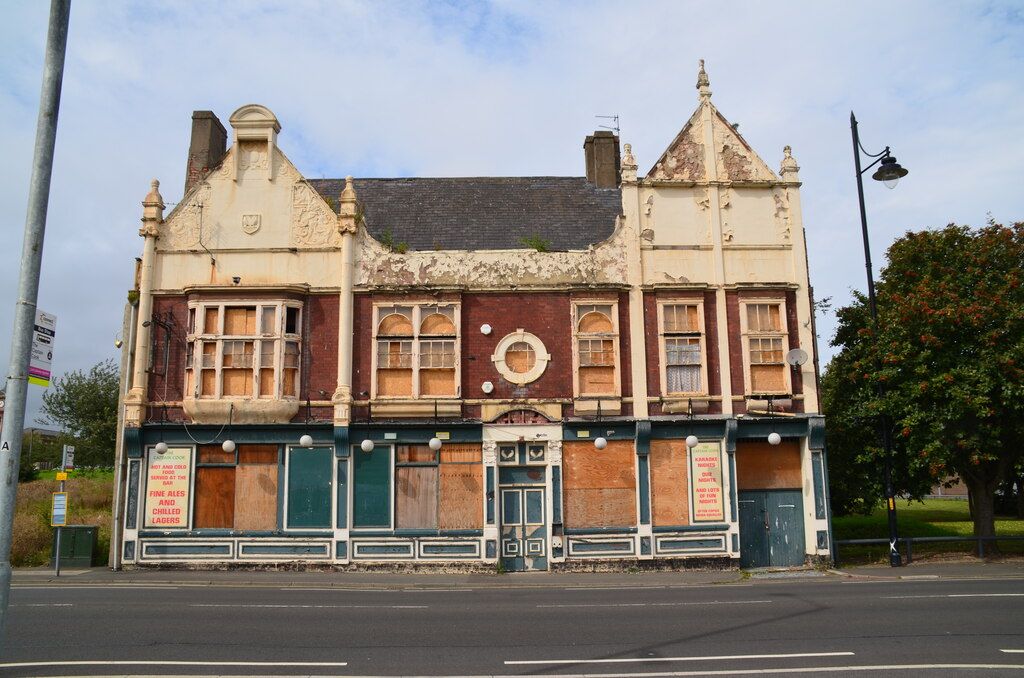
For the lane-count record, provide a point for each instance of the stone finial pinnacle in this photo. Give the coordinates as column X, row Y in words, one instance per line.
column 703, row 83
column 347, row 208
column 152, row 211
column 789, row 165
column 628, row 164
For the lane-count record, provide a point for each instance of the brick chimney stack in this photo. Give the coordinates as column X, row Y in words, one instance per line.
column 208, row 145
column 602, row 154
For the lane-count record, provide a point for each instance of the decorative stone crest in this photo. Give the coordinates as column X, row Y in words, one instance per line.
column 555, row 452
column 251, row 223
column 185, row 223
column 252, row 156
column 490, row 452
column 313, row 223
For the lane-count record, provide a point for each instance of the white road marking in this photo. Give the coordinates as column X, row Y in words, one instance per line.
column 710, row 602
column 146, row 662
column 960, row 595
column 802, row 669
column 609, row 588
column 85, row 587
column 1013, row 651
column 724, row 657
column 43, row 605
column 314, row 607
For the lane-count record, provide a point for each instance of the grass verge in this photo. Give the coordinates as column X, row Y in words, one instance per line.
column 90, row 496
column 928, row 518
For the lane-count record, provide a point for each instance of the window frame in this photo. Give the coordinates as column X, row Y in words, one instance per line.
column 418, row 315
column 577, row 336
column 541, row 357
column 199, row 336
column 700, row 334
column 747, row 334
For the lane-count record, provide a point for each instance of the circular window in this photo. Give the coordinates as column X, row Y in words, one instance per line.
column 520, row 357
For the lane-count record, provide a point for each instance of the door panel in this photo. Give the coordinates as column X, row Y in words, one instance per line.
column 786, row 531
column 523, row 529
column 753, row 533
column 771, row 528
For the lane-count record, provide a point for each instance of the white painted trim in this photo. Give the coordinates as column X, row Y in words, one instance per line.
column 541, row 357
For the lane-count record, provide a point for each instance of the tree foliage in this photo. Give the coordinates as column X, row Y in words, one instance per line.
column 84, row 404
column 945, row 366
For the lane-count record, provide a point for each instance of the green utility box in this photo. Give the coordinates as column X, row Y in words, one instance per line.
column 77, row 545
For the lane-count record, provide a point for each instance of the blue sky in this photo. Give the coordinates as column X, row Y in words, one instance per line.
column 504, row 88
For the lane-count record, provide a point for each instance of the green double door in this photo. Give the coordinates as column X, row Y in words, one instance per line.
column 524, row 540
column 771, row 528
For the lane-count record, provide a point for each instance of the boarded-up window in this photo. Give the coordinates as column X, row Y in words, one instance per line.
column 215, row 497
column 416, row 497
column 240, row 321
column 416, row 351
column 236, row 490
column 595, row 349
column 670, row 496
column 765, row 341
column 760, row 466
column 600, row 485
column 256, row 488
column 462, row 490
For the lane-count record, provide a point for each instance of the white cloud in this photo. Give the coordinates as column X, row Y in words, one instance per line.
column 391, row 89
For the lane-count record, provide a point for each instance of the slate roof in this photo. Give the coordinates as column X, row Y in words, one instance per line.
column 473, row 213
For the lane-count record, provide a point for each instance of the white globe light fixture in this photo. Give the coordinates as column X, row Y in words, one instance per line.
column 600, row 443
column 161, row 447
column 692, row 441
column 434, row 444
column 366, row 445
column 774, row 438
column 306, row 440
column 228, row 446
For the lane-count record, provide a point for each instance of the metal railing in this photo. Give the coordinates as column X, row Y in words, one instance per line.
column 910, row 541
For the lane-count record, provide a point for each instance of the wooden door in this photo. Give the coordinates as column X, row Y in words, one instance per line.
column 523, row 529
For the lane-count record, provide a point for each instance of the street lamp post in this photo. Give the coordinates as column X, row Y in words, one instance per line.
column 889, row 173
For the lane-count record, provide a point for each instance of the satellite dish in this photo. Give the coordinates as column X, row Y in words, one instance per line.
column 796, row 356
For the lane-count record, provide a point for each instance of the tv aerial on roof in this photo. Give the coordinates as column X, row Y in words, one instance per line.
column 615, row 123
column 796, row 357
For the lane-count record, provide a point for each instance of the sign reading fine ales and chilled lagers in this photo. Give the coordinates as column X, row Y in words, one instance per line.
column 59, row 509
column 43, row 334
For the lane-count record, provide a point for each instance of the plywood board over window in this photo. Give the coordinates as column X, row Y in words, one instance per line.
column 462, row 475
column 215, row 497
column 256, row 488
column 416, row 497
column 760, row 466
column 600, row 485
column 670, row 495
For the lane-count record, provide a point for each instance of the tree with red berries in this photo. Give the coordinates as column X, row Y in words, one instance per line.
column 945, row 368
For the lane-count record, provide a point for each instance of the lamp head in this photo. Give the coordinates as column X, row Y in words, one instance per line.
column 434, row 444
column 118, row 343
column 306, row 440
column 228, row 446
column 600, row 443
column 366, row 445
column 889, row 172
column 774, row 438
column 692, row 441
column 161, row 447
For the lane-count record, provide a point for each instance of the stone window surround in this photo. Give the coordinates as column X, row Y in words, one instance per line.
column 700, row 334
column 417, row 305
column 541, row 357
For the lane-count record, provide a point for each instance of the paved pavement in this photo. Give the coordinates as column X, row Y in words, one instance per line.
column 957, row 569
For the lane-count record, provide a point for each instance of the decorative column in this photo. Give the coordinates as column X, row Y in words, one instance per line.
column 555, row 487
column 490, row 462
column 715, row 209
column 342, row 398
column 152, row 217
column 634, row 278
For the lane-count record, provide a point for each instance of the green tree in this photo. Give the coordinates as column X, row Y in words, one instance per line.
column 84, row 404
column 948, row 356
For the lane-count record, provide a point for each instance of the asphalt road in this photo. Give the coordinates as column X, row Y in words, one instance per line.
column 819, row 625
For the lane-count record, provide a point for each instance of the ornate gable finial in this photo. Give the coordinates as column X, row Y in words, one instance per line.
column 703, row 84
column 347, row 208
column 152, row 211
column 628, row 163
column 789, row 166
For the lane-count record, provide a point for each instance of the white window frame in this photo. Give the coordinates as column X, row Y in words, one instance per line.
column 575, row 318
column 701, row 336
column 540, row 355
column 201, row 335
column 747, row 334
column 417, row 319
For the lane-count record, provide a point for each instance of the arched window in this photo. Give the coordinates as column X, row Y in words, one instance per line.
column 416, row 351
column 596, row 347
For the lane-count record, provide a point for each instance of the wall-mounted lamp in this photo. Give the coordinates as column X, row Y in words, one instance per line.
column 487, row 387
column 161, row 447
column 366, row 445
column 306, row 440
column 228, row 446
column 236, row 279
column 434, row 444
column 485, row 329
column 600, row 442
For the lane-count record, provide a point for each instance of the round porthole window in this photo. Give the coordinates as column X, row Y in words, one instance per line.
column 520, row 357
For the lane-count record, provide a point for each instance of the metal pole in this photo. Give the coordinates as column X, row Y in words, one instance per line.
column 890, row 495
column 28, row 288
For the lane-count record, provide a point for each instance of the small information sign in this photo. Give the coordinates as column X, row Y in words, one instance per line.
column 59, row 509
column 68, row 462
column 43, row 335
column 61, row 475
